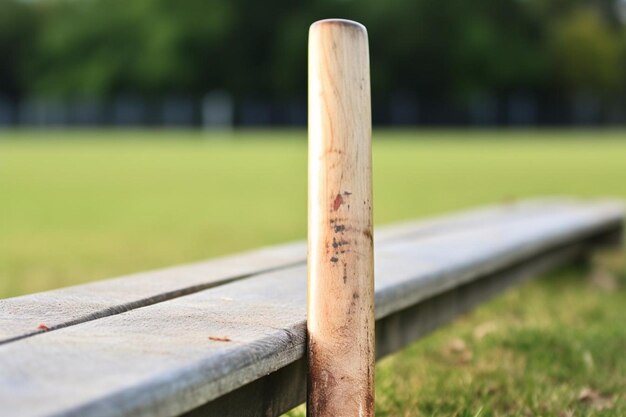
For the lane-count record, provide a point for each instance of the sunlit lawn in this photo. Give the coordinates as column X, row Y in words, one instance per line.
column 78, row 206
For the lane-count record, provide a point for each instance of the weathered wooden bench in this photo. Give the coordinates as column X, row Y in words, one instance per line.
column 227, row 337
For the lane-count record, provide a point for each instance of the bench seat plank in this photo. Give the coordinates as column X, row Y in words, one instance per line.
column 170, row 357
column 21, row 316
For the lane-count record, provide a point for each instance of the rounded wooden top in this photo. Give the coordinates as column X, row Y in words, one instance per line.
column 328, row 23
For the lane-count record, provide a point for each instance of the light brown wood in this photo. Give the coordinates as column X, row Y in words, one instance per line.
column 340, row 310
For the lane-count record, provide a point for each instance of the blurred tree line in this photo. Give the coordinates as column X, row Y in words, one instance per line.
column 100, row 48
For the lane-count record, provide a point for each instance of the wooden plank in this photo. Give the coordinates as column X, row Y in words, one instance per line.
column 284, row 389
column 503, row 245
column 161, row 361
column 474, row 218
column 21, row 316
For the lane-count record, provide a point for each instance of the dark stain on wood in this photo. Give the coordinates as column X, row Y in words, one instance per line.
column 321, row 381
column 337, row 244
column 334, row 259
column 338, row 202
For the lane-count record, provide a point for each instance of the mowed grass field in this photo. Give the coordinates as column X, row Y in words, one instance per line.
column 77, row 206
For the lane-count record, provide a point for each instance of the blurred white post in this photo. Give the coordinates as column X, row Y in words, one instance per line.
column 218, row 111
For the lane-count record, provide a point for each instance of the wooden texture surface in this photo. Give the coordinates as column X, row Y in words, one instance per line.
column 173, row 356
column 285, row 388
column 21, row 316
column 341, row 256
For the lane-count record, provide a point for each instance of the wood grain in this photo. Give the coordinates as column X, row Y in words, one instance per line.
column 341, row 255
column 20, row 316
column 285, row 388
column 171, row 357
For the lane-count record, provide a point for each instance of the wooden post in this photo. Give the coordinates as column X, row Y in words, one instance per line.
column 340, row 258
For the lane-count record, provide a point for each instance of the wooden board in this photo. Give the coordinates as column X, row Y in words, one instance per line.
column 21, row 316
column 173, row 356
column 280, row 391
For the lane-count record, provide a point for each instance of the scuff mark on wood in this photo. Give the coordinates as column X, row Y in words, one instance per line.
column 338, row 202
column 220, row 338
column 337, row 244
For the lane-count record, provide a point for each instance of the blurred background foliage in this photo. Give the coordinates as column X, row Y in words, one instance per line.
column 103, row 48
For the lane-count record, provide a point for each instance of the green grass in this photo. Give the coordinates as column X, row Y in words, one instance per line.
column 554, row 347
column 83, row 205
